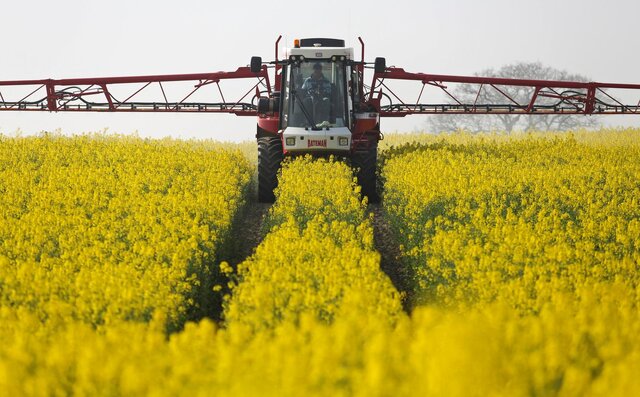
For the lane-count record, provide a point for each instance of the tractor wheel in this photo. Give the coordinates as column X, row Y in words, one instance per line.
column 269, row 159
column 365, row 163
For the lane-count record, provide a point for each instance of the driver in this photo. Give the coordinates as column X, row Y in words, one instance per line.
column 317, row 82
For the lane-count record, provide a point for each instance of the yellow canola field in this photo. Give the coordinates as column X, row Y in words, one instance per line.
column 300, row 321
column 545, row 214
column 311, row 313
column 541, row 233
column 318, row 258
column 102, row 229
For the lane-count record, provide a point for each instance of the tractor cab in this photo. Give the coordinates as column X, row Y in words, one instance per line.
column 315, row 108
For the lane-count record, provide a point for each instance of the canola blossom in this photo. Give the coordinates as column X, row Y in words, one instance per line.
column 302, row 312
column 102, row 229
column 523, row 254
column 318, row 258
column 542, row 235
column 515, row 220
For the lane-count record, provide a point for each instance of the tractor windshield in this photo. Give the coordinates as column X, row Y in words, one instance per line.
column 316, row 97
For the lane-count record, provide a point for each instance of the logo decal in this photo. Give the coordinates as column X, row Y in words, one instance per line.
column 317, row 142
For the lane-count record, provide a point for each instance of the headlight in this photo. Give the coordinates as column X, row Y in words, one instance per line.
column 291, row 141
column 343, row 141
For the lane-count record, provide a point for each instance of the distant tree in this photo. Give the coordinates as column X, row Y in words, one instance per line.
column 509, row 122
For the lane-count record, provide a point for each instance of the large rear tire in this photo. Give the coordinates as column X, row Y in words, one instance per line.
column 269, row 159
column 365, row 162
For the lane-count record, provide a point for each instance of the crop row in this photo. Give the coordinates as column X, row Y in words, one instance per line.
column 544, row 234
column 102, row 229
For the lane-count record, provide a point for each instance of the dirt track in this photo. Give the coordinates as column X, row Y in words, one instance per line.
column 245, row 236
column 389, row 250
column 248, row 231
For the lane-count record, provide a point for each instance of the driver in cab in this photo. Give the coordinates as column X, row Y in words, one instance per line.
column 316, row 83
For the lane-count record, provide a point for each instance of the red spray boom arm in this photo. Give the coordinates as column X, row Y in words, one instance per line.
column 569, row 97
column 96, row 94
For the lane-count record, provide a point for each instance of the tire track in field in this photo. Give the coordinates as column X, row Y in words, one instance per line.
column 245, row 235
column 390, row 256
column 247, row 232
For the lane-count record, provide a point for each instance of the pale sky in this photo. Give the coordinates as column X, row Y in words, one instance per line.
column 66, row 39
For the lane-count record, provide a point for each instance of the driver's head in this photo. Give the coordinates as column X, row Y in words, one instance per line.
column 317, row 70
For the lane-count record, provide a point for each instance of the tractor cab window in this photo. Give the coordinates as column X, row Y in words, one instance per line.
column 317, row 95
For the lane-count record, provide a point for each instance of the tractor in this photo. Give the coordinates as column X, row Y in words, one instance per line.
column 317, row 107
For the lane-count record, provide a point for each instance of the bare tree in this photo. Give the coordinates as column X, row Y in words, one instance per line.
column 509, row 122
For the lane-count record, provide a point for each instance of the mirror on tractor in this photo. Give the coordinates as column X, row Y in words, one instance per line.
column 380, row 65
column 256, row 64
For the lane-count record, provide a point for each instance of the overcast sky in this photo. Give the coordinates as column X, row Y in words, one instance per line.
column 60, row 39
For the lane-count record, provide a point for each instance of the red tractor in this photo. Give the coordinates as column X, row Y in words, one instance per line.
column 318, row 102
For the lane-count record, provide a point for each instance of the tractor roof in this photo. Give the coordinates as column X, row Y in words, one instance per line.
column 320, row 42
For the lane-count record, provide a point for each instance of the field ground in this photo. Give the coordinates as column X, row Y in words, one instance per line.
column 390, row 255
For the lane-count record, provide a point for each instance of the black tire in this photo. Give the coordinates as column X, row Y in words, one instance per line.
column 269, row 159
column 365, row 162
